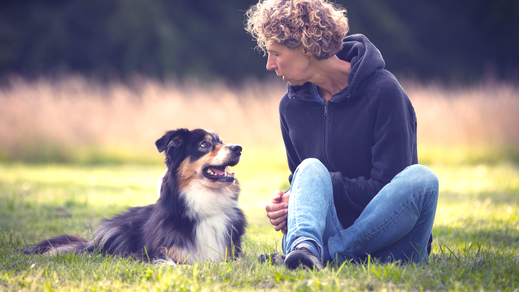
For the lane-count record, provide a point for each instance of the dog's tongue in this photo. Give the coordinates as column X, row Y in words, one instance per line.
column 218, row 171
column 222, row 172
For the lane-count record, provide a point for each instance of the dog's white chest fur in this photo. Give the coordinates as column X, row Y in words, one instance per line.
column 214, row 211
column 212, row 239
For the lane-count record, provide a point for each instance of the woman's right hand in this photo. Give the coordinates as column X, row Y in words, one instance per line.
column 277, row 210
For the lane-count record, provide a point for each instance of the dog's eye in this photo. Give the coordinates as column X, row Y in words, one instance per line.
column 205, row 144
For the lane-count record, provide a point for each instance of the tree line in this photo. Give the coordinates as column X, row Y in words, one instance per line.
column 462, row 40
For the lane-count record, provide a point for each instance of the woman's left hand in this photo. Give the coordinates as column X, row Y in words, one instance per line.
column 277, row 211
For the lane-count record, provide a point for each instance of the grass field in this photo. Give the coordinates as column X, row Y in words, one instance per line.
column 476, row 234
column 73, row 153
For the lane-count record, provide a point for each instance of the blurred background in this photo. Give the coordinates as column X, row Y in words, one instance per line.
column 462, row 41
column 101, row 80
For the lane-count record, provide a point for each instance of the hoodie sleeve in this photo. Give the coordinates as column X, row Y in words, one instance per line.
column 292, row 159
column 393, row 147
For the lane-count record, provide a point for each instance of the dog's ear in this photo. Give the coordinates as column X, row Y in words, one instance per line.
column 162, row 142
column 171, row 138
column 173, row 143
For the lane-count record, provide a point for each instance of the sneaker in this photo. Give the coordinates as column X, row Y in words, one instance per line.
column 302, row 257
column 273, row 258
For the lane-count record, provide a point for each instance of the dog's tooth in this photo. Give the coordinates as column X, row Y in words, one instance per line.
column 229, row 174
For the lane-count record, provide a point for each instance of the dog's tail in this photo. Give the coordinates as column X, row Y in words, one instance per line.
column 65, row 242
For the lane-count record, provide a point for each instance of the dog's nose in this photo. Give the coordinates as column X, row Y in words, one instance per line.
column 235, row 149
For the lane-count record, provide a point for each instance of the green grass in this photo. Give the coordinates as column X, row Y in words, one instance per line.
column 476, row 232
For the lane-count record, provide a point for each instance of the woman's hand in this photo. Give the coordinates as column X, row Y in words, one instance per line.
column 277, row 211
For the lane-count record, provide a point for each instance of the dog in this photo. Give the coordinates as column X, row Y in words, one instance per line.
column 195, row 219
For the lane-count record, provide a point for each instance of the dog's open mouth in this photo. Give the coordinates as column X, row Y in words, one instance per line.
column 218, row 173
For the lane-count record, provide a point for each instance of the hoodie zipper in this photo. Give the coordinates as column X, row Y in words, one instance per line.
column 325, row 137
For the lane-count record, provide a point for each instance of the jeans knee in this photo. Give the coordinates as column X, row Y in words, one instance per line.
column 313, row 171
column 313, row 165
column 424, row 177
column 312, row 162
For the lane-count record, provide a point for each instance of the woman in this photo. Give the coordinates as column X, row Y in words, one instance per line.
column 350, row 136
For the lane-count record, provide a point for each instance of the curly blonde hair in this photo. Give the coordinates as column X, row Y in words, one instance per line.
column 318, row 25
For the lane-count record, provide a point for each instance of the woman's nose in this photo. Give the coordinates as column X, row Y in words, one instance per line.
column 270, row 65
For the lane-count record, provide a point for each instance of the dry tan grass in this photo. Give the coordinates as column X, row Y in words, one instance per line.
column 73, row 112
column 484, row 115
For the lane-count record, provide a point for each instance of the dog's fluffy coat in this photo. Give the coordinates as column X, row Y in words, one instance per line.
column 196, row 218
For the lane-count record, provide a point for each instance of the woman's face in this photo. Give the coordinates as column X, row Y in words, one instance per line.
column 292, row 64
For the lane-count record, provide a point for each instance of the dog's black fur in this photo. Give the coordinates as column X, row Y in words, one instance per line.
column 196, row 218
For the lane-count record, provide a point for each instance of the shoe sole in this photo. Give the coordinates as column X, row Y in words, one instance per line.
column 299, row 259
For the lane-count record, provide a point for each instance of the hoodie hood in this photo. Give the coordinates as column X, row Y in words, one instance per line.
column 365, row 59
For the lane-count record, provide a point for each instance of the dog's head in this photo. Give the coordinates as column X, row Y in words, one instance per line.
column 199, row 155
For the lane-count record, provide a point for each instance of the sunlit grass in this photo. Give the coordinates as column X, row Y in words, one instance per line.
column 475, row 247
column 479, row 205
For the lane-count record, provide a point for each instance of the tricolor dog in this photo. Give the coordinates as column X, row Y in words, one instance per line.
column 196, row 218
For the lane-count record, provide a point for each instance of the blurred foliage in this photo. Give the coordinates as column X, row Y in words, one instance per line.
column 462, row 40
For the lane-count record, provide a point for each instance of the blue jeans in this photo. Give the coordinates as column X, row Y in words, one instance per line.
column 395, row 225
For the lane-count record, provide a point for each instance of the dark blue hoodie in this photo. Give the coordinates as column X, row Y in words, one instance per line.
column 365, row 135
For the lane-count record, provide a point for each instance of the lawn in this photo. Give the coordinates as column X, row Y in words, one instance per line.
column 476, row 232
column 73, row 139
